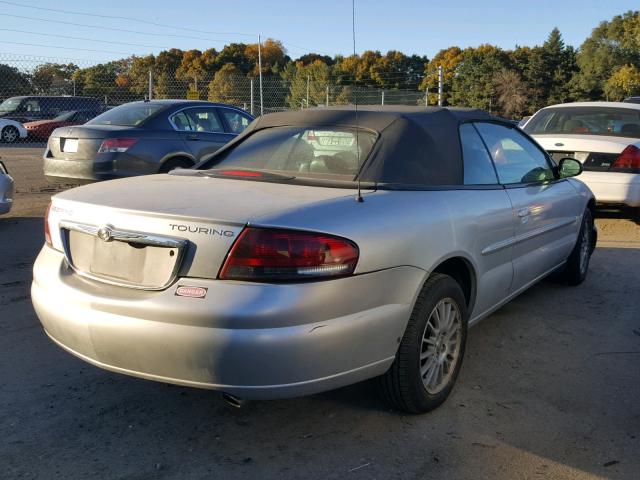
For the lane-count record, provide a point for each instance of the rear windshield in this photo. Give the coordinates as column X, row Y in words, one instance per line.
column 10, row 105
column 621, row 122
column 130, row 115
column 323, row 152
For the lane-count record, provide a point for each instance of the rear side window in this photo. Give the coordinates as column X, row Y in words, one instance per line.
column 516, row 158
column 478, row 168
column 203, row 120
column 128, row 115
column 236, row 121
column 325, row 152
column 607, row 121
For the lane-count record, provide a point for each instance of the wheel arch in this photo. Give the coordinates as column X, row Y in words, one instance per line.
column 176, row 156
column 462, row 271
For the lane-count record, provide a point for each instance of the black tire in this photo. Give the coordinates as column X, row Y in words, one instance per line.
column 9, row 134
column 577, row 267
column 402, row 386
column 175, row 163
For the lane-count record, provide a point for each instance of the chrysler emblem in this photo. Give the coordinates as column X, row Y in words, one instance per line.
column 105, row 234
column 559, row 144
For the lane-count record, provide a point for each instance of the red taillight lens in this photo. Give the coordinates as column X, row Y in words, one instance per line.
column 47, row 229
column 116, row 145
column 311, row 136
column 629, row 158
column 262, row 254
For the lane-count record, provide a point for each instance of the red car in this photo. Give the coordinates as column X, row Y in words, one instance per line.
column 41, row 129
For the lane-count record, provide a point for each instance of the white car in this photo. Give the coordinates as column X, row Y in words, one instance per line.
column 11, row 131
column 604, row 136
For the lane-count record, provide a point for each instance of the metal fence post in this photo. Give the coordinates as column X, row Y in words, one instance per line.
column 440, row 81
column 260, row 68
column 327, row 102
column 307, row 91
column 251, row 94
column 382, row 98
column 150, row 84
column 426, row 97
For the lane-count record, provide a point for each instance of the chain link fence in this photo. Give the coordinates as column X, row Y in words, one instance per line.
column 72, row 91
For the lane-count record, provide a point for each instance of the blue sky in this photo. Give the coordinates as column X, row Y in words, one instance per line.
column 410, row 26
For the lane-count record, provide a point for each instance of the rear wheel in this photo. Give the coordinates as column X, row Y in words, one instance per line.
column 431, row 351
column 577, row 265
column 175, row 163
column 9, row 134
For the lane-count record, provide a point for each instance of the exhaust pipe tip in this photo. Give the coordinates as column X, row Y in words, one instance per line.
column 233, row 401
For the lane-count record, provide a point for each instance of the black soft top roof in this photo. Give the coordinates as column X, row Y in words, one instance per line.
column 416, row 145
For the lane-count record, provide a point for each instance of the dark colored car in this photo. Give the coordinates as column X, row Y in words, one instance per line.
column 41, row 129
column 32, row 108
column 141, row 138
column 632, row 99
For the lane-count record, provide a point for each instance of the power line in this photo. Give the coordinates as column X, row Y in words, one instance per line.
column 147, row 22
column 80, row 38
column 64, row 48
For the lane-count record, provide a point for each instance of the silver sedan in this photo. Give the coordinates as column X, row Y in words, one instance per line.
column 6, row 190
column 282, row 267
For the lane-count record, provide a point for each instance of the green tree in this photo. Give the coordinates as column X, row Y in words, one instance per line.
column 166, row 85
column 472, row 85
column 229, row 85
column 315, row 76
column 611, row 45
column 234, row 53
column 448, row 59
column 13, row 82
column 53, row 78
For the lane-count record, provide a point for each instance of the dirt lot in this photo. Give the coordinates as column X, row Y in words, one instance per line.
column 549, row 389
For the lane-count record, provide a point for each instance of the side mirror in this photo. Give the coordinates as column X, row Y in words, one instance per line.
column 3, row 169
column 569, row 167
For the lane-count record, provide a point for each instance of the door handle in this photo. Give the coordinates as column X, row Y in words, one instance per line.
column 193, row 137
column 523, row 212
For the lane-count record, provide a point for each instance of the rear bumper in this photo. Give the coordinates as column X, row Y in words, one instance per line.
column 613, row 187
column 250, row 340
column 59, row 170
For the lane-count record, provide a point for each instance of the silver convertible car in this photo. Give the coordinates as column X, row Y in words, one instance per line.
column 281, row 267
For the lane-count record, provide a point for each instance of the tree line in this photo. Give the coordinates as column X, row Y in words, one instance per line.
column 512, row 83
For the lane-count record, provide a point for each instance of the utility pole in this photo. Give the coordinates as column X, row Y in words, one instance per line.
column 327, row 102
column 426, row 97
column 440, row 81
column 251, row 94
column 150, row 84
column 260, row 69
column 307, row 91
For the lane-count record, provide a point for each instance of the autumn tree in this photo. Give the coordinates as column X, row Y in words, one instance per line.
column 273, row 53
column 624, row 82
column 306, row 81
column 448, row 59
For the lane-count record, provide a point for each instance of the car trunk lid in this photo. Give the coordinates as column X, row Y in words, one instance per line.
column 597, row 153
column 143, row 232
column 83, row 142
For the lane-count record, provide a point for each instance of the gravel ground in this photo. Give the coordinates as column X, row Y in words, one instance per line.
column 549, row 389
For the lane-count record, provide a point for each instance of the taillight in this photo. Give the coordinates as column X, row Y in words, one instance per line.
column 47, row 229
column 311, row 136
column 629, row 158
column 116, row 145
column 262, row 254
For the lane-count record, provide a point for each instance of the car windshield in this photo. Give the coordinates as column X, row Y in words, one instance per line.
column 129, row 115
column 65, row 116
column 607, row 121
column 10, row 104
column 323, row 152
